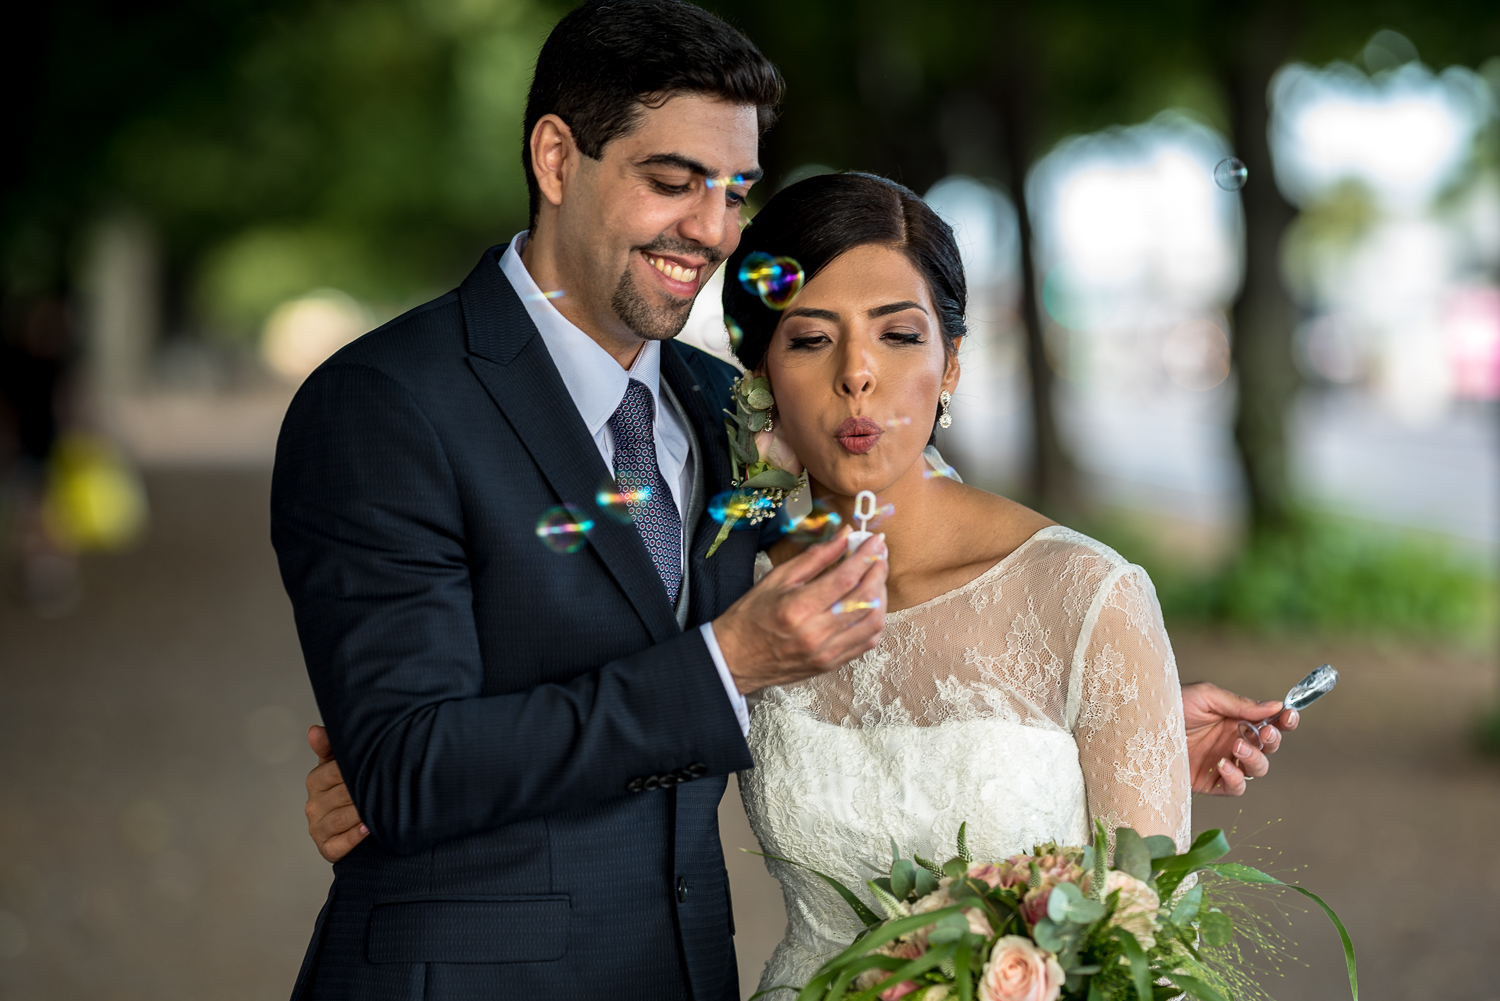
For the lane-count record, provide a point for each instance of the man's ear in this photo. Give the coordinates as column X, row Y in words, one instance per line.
column 553, row 156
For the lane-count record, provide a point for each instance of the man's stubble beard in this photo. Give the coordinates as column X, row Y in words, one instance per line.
column 652, row 323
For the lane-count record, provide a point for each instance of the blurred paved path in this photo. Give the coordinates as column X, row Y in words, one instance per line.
column 152, row 844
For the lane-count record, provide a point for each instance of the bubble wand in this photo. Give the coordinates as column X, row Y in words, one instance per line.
column 864, row 510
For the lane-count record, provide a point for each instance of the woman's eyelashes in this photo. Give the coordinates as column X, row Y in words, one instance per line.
column 903, row 336
column 807, row 342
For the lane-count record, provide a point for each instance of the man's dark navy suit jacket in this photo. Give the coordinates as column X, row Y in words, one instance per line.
column 537, row 747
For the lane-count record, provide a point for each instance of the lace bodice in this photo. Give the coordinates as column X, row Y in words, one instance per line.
column 1037, row 696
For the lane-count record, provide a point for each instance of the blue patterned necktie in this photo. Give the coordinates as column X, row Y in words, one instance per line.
column 655, row 513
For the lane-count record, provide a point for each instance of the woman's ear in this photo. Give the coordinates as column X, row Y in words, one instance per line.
column 951, row 368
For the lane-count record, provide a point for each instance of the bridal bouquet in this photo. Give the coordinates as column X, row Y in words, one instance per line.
column 1060, row 923
column 766, row 472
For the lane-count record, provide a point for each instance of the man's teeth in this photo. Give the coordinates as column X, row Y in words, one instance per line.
column 673, row 271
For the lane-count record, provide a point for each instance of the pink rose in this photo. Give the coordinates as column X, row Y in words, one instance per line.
column 1019, row 971
column 902, row 989
column 1003, row 876
column 979, row 922
column 773, row 448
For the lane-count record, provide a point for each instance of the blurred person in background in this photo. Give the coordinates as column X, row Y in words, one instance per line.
column 37, row 348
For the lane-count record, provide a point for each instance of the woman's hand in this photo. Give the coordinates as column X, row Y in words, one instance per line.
column 1219, row 759
column 332, row 820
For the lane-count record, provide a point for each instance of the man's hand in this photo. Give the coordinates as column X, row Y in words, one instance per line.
column 332, row 821
column 1220, row 760
column 806, row 616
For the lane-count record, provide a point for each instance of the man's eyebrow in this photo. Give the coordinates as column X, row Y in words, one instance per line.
column 689, row 164
column 814, row 314
column 895, row 307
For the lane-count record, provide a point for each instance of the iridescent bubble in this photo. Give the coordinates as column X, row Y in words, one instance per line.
column 737, row 505
column 564, row 529
column 841, row 607
column 947, row 472
column 898, row 422
column 736, row 335
column 1231, row 174
column 757, row 267
column 724, row 182
column 539, row 296
column 617, row 497
column 776, row 280
column 882, row 512
column 821, row 524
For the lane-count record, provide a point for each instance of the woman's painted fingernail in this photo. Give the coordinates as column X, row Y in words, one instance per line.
column 1224, row 765
column 1241, row 749
column 1292, row 718
column 363, row 829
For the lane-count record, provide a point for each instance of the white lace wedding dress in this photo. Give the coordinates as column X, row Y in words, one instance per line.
column 1037, row 696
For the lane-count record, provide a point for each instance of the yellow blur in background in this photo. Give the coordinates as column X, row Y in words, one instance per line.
column 95, row 500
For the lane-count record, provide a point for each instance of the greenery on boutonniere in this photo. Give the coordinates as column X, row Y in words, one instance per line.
column 760, row 485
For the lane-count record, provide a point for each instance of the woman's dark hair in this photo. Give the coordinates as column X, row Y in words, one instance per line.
column 816, row 220
column 608, row 59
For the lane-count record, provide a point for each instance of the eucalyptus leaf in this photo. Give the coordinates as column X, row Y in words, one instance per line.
column 760, row 399
column 1049, row 935
column 1161, row 846
column 926, row 882
column 757, row 420
column 955, row 867
column 1085, row 912
column 1217, row 928
column 1057, row 906
column 1131, row 854
column 1068, row 890
column 1088, row 858
column 903, row 878
column 1187, row 908
column 772, row 478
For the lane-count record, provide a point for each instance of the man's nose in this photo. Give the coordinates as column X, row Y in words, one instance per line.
column 708, row 223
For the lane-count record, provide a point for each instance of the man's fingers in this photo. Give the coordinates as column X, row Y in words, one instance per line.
column 865, row 563
column 324, row 777
column 317, row 739
column 809, row 563
column 340, row 845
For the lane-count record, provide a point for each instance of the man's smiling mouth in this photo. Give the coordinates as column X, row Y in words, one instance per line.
column 676, row 272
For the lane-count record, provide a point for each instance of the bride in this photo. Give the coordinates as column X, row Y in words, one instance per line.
column 1024, row 683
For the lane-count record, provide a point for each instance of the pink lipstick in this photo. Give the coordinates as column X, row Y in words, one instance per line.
column 858, row 434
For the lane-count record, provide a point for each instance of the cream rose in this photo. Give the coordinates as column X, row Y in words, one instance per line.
column 1136, row 911
column 1019, row 971
column 773, row 448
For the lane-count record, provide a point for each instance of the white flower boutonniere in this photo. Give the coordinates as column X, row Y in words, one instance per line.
column 765, row 471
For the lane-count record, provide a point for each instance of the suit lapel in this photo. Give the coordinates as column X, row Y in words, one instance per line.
column 511, row 360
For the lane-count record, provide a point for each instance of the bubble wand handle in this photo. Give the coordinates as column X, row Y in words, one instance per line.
column 1303, row 694
column 864, row 510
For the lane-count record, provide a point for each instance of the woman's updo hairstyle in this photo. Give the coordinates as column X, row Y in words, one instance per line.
column 816, row 220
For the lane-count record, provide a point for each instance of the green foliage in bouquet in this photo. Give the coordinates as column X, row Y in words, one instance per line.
column 760, row 487
column 1062, row 923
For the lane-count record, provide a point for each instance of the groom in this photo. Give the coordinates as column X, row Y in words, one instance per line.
column 536, row 717
column 538, row 738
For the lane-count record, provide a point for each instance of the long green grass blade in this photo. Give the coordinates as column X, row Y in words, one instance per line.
column 1140, row 969
column 861, row 909
column 1246, row 874
column 890, row 930
column 921, row 964
column 1209, row 846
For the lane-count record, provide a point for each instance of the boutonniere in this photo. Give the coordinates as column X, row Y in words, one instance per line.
column 765, row 471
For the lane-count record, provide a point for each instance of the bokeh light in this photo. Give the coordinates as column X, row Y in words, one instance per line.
column 854, row 605
column 564, row 529
column 738, row 505
column 736, row 335
column 302, row 333
column 776, row 280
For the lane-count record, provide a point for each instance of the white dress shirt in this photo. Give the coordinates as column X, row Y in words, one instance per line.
column 597, row 385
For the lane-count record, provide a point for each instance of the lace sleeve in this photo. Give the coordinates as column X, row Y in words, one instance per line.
column 1128, row 718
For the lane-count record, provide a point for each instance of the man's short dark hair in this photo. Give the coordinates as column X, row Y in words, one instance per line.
column 608, row 59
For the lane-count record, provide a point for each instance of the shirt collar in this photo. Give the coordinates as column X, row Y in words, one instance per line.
column 595, row 381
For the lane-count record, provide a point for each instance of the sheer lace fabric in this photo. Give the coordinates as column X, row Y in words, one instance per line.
column 1037, row 696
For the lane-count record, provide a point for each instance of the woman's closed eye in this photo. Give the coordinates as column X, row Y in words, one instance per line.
column 903, row 337
column 807, row 342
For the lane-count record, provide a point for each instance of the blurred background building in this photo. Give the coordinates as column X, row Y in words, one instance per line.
column 1235, row 309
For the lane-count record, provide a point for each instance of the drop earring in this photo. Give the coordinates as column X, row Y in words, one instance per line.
column 945, row 420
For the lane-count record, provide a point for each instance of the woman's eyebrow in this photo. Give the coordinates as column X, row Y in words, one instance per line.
column 895, row 307
column 814, row 314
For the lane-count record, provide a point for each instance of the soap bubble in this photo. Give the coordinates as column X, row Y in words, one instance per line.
column 947, row 472
column 821, row 524
column 724, row 182
column 737, row 505
column 841, row 607
column 898, row 422
column 882, row 512
column 564, row 529
column 736, row 335
column 539, row 296
column 1231, row 174
column 616, row 498
column 776, row 280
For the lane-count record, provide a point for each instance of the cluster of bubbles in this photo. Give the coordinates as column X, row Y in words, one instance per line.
column 617, row 498
column 564, row 528
column 724, row 182
column 1231, row 174
column 776, row 280
column 821, row 524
